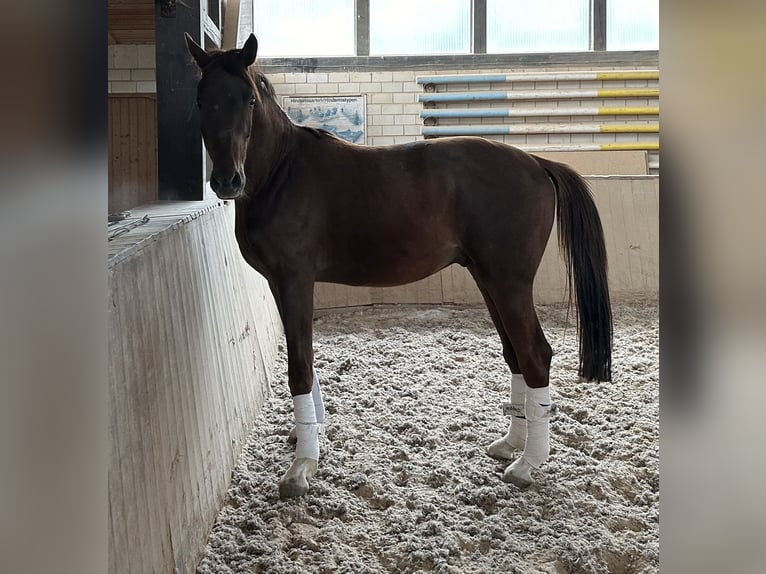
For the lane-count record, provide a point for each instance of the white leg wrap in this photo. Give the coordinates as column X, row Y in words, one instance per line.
column 316, row 396
column 538, row 412
column 517, row 432
column 306, row 427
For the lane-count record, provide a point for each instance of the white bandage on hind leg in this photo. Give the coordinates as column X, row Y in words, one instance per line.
column 538, row 411
column 517, row 432
column 306, row 427
column 316, row 396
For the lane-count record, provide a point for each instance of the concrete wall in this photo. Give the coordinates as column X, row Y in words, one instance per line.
column 629, row 210
column 193, row 337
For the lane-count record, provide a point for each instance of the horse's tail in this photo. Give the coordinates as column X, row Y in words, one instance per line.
column 581, row 240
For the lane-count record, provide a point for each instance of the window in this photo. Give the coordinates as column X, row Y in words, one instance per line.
column 420, row 27
column 632, row 24
column 317, row 28
column 294, row 28
column 538, row 25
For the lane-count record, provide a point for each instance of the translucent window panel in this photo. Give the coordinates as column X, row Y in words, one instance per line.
column 289, row 28
column 633, row 24
column 538, row 26
column 420, row 27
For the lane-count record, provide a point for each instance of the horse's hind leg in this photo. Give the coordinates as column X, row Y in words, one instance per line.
column 507, row 447
column 514, row 304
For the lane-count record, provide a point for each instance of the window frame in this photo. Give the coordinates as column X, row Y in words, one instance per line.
column 597, row 54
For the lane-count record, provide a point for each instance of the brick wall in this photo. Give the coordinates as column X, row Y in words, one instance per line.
column 392, row 98
column 393, row 107
column 131, row 69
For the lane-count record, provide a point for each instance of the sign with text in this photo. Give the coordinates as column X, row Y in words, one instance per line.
column 343, row 116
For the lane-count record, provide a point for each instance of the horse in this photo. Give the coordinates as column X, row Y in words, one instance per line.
column 311, row 207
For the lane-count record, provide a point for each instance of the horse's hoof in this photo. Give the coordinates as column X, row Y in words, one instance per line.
column 519, row 473
column 292, row 437
column 295, row 482
column 503, row 450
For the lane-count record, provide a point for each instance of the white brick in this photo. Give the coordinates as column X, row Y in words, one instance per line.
column 404, row 98
column 305, row 88
column 383, row 140
column 146, row 56
column 412, row 108
column 391, row 87
column 404, row 76
column 349, row 88
column 360, row 77
column 295, row 78
column 582, row 138
column 118, row 75
column 284, row 89
column 403, row 120
column 405, row 139
column 369, row 87
column 393, row 130
column 406, row 87
column 327, row 88
column 380, row 98
column 373, row 131
column 146, row 87
column 559, row 138
column 143, row 75
column 537, row 139
column 316, row 77
column 383, row 120
column 338, row 77
column 382, row 76
column 626, row 138
column 124, row 87
column 412, row 129
column 126, row 56
column 278, row 78
column 374, row 109
column 391, row 108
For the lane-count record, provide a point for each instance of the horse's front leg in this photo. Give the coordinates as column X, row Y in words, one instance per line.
column 296, row 308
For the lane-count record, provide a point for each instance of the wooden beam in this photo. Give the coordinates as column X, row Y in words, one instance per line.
column 479, row 19
column 211, row 30
column 599, row 25
column 230, row 25
column 362, row 27
column 180, row 154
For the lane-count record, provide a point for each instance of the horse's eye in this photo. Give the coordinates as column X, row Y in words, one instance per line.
column 252, row 102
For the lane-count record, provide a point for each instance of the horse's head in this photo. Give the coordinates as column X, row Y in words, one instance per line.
column 226, row 95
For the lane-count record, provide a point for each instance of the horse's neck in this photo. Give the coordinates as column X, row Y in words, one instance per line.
column 269, row 148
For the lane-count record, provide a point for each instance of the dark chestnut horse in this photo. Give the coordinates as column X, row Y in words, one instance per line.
column 311, row 207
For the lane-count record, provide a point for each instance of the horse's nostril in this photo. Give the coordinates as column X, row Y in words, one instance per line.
column 236, row 180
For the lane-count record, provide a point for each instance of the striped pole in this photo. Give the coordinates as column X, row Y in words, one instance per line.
column 648, row 146
column 541, row 77
column 515, row 129
column 528, row 112
column 540, row 95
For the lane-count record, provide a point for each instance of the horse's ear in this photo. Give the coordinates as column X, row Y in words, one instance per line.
column 197, row 52
column 249, row 51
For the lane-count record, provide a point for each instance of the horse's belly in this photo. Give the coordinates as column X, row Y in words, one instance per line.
column 387, row 270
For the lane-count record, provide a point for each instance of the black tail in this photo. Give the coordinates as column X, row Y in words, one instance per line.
column 581, row 239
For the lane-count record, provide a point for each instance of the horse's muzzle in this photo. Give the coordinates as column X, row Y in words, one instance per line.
column 228, row 187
